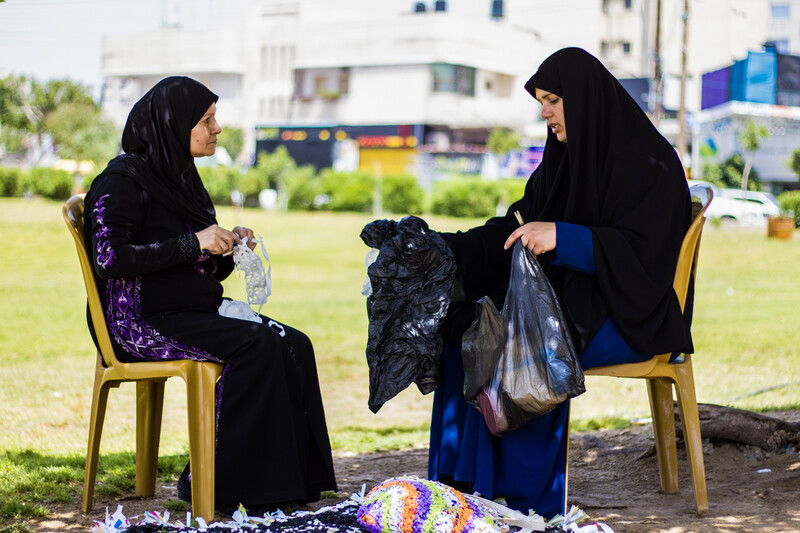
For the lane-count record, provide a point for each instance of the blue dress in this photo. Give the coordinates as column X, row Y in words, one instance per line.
column 528, row 465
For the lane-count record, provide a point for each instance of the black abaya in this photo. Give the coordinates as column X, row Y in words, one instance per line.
column 160, row 296
column 620, row 178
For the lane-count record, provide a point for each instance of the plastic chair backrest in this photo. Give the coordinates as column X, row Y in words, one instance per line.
column 73, row 215
column 686, row 268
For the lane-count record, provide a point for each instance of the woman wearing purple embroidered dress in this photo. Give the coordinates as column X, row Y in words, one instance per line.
column 151, row 230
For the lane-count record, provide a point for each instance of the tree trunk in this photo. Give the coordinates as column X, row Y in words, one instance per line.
column 748, row 164
column 745, row 427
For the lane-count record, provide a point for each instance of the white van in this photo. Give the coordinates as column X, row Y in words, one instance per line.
column 733, row 207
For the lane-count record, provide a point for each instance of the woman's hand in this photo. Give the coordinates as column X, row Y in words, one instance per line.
column 538, row 237
column 217, row 241
column 243, row 232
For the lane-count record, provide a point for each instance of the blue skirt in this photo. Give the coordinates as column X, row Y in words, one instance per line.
column 528, row 465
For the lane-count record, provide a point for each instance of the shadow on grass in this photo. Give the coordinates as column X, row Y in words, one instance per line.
column 30, row 481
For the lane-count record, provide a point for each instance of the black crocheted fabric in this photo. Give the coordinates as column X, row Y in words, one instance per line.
column 340, row 519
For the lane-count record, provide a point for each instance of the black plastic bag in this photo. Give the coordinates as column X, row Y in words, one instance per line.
column 520, row 363
column 412, row 280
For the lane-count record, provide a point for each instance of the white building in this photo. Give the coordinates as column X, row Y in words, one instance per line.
column 718, row 137
column 291, row 65
column 765, row 95
column 784, row 24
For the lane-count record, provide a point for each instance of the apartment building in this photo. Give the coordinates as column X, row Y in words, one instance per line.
column 412, row 78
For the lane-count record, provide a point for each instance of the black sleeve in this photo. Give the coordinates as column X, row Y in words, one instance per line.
column 114, row 213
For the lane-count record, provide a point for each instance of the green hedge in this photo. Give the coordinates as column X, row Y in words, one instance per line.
column 400, row 193
column 303, row 188
column 465, row 197
column 348, row 191
column 790, row 202
column 250, row 184
column 219, row 182
column 11, row 180
column 511, row 190
column 50, row 183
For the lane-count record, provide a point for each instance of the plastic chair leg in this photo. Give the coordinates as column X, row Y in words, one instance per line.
column 97, row 417
column 149, row 408
column 687, row 404
column 201, row 403
column 660, row 392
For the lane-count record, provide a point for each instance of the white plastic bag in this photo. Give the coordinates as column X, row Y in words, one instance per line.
column 237, row 309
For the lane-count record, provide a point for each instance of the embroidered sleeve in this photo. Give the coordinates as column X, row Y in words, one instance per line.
column 115, row 215
column 189, row 247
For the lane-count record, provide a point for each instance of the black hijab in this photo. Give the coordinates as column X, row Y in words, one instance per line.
column 620, row 178
column 617, row 175
column 156, row 142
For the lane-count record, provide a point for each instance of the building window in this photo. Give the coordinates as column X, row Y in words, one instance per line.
column 603, row 48
column 628, row 4
column 326, row 83
column 344, row 80
column 605, row 6
column 320, row 84
column 779, row 11
column 626, row 47
column 300, row 91
column 264, row 59
column 449, row 78
column 780, row 45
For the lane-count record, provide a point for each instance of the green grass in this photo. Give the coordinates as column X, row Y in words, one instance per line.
column 745, row 332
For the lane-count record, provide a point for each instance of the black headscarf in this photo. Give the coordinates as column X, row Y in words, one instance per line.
column 156, row 142
column 620, row 178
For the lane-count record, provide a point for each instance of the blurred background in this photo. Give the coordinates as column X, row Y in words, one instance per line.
column 428, row 88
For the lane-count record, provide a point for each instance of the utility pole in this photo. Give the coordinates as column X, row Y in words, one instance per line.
column 682, row 132
column 657, row 83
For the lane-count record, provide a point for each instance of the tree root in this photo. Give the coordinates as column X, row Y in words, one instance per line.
column 718, row 422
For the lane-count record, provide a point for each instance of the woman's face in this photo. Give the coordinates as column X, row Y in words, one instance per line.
column 203, row 141
column 553, row 113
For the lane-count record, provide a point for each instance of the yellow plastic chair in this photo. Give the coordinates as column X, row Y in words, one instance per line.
column 150, row 377
column 661, row 375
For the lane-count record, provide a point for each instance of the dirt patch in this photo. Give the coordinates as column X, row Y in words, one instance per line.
column 613, row 476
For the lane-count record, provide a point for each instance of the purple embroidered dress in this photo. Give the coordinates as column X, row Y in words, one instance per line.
column 160, row 295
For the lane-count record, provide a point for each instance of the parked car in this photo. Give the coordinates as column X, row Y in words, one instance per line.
column 764, row 200
column 734, row 207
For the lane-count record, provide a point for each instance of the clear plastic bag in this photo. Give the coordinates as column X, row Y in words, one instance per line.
column 520, row 363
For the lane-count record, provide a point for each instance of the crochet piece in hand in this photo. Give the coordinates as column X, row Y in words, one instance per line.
column 257, row 279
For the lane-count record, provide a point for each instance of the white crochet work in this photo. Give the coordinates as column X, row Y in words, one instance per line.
column 259, row 281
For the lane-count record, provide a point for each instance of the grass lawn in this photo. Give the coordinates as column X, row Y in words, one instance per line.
column 745, row 331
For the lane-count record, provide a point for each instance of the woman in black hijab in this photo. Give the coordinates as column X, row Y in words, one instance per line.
column 151, row 230
column 606, row 212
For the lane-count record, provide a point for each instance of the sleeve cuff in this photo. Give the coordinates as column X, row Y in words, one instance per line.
column 189, row 247
column 574, row 247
